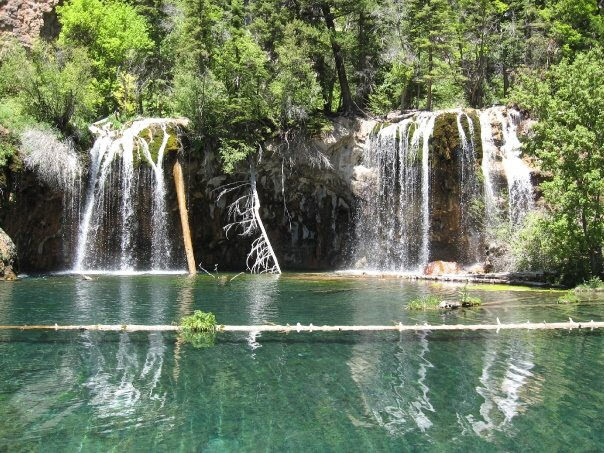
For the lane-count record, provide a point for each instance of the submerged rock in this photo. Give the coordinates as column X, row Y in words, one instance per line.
column 442, row 268
column 8, row 256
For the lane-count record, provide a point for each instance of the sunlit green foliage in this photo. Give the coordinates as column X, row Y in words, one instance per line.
column 53, row 84
column 568, row 142
column 199, row 321
column 113, row 34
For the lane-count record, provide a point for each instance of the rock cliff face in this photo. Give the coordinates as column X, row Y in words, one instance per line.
column 307, row 209
column 310, row 196
column 26, row 20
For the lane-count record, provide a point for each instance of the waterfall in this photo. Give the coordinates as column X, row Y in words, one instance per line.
column 123, row 175
column 470, row 192
column 393, row 232
column 425, row 127
column 421, row 190
column 488, row 156
column 520, row 188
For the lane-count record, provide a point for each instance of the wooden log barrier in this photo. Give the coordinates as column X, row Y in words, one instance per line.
column 570, row 324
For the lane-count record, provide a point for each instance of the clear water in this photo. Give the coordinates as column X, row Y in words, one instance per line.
column 68, row 391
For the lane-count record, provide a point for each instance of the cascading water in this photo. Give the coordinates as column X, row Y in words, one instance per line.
column 489, row 151
column 425, row 128
column 418, row 208
column 470, row 191
column 394, row 231
column 120, row 184
column 520, row 188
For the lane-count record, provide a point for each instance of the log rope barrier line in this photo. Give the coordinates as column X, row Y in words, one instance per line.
column 570, row 324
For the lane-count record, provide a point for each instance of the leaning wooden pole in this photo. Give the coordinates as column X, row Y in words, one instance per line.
column 568, row 325
column 184, row 216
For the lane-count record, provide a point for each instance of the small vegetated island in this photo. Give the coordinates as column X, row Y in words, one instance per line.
column 301, row 225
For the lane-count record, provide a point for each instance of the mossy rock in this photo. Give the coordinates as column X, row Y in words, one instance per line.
column 154, row 137
column 445, row 137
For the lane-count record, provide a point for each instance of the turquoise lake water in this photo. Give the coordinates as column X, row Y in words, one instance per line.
column 432, row 391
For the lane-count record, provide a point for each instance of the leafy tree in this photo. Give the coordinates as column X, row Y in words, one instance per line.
column 53, row 84
column 569, row 144
column 429, row 29
column 295, row 88
column 477, row 37
column 115, row 36
column 575, row 24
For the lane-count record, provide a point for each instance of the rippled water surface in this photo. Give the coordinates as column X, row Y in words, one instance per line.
column 474, row 391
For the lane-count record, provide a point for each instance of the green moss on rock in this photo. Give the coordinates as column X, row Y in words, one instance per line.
column 154, row 136
column 445, row 137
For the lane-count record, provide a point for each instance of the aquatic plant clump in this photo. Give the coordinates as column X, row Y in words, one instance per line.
column 468, row 301
column 198, row 329
column 569, row 298
column 424, row 303
column 199, row 321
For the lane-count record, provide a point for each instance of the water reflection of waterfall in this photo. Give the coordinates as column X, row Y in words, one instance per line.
column 262, row 292
column 396, row 399
column 506, row 371
column 125, row 201
column 121, row 378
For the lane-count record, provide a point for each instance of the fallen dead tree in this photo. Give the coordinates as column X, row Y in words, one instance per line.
column 570, row 324
column 245, row 215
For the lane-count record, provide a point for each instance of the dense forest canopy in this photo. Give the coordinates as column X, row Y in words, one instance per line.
column 247, row 71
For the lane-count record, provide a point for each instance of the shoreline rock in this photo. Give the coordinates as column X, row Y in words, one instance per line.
column 8, row 257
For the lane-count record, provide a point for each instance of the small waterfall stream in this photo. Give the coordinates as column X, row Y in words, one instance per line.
column 488, row 156
column 520, row 188
column 470, row 190
column 123, row 174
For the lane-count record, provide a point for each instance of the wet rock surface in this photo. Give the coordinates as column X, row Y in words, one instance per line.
column 8, row 257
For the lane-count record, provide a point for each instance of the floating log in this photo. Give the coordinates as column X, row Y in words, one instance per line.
column 184, row 216
column 570, row 324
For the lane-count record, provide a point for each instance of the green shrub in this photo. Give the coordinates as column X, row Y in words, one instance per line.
column 199, row 321
column 569, row 298
column 468, row 301
column 592, row 283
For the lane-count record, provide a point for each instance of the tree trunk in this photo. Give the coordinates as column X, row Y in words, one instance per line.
column 184, row 217
column 347, row 104
column 363, row 85
column 430, row 67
